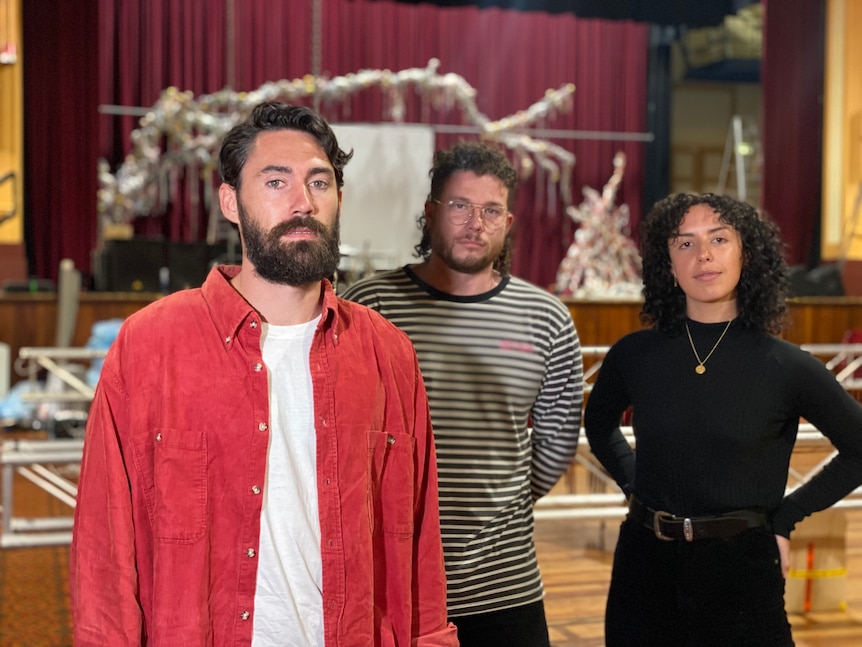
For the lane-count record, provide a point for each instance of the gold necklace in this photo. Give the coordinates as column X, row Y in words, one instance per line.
column 700, row 369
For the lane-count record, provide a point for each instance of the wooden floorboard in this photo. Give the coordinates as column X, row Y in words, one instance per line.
column 576, row 556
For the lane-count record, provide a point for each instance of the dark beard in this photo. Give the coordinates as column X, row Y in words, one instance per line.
column 293, row 263
column 473, row 265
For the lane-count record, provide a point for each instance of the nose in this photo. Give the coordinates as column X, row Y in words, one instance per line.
column 705, row 254
column 302, row 200
column 477, row 218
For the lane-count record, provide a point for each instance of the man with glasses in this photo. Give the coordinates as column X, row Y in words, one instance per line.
column 502, row 366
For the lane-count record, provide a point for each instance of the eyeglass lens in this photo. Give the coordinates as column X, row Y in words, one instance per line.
column 460, row 212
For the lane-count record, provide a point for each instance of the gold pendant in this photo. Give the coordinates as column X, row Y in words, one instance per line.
column 700, row 369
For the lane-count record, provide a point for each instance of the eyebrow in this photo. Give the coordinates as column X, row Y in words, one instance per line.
column 490, row 203
column 274, row 168
column 317, row 170
column 714, row 230
column 321, row 170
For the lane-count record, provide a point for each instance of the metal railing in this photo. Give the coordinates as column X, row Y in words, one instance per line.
column 51, row 464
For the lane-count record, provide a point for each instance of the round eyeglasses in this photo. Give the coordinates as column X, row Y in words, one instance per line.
column 460, row 212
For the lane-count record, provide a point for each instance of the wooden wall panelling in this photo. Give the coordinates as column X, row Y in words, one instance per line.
column 31, row 319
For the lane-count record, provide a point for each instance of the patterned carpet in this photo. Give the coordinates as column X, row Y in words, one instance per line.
column 34, row 582
column 34, row 597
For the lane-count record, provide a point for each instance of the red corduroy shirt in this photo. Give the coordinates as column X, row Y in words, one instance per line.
column 164, row 548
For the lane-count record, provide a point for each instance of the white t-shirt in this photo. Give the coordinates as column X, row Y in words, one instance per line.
column 288, row 598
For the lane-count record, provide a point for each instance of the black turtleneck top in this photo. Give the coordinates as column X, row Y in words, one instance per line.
column 721, row 441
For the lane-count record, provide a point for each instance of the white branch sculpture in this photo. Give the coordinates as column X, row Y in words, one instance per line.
column 181, row 132
column 602, row 261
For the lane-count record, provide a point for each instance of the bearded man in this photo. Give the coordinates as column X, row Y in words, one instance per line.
column 259, row 465
column 502, row 364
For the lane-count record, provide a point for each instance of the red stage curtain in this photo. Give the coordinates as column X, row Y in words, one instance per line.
column 58, row 55
column 510, row 57
column 792, row 80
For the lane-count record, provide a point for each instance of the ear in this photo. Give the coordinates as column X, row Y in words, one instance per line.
column 430, row 211
column 510, row 220
column 227, row 200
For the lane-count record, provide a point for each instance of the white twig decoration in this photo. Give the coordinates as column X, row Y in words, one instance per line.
column 602, row 261
column 183, row 132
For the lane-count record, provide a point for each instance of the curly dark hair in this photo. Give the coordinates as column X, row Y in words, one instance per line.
column 763, row 282
column 273, row 115
column 481, row 159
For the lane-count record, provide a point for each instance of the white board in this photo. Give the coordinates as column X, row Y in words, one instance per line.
column 385, row 186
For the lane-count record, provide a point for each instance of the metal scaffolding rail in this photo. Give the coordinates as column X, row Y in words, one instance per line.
column 37, row 461
column 52, row 464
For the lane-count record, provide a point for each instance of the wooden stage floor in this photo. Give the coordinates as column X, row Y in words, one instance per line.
column 575, row 558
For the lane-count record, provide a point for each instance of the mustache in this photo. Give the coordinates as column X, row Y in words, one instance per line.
column 300, row 222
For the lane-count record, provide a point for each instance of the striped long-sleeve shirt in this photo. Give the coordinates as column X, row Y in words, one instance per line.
column 504, row 376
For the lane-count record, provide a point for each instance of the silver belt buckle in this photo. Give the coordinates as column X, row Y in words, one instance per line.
column 687, row 530
column 659, row 515
column 656, row 524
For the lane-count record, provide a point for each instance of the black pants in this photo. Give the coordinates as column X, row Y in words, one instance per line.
column 705, row 593
column 522, row 626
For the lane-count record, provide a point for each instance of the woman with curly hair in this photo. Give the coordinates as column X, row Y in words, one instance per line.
column 716, row 399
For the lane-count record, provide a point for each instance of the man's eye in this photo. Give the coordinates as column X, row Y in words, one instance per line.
column 319, row 184
column 275, row 183
column 459, row 206
column 493, row 212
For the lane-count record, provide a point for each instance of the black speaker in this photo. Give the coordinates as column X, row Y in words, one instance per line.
column 152, row 265
column 826, row 281
column 822, row 281
column 129, row 265
column 188, row 264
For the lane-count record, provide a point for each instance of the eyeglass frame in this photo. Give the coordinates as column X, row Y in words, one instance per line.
column 492, row 225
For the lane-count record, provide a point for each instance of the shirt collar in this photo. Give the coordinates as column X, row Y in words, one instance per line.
column 229, row 310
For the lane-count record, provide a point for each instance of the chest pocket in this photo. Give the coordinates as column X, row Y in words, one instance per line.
column 180, row 485
column 390, row 482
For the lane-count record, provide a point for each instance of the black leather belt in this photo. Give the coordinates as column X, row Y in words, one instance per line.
column 670, row 527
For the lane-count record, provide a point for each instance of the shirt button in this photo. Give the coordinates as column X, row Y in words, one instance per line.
column 327, row 481
column 250, row 552
column 253, row 323
column 244, row 615
column 258, row 366
column 323, row 422
column 262, row 426
column 159, row 437
column 227, row 340
column 255, row 489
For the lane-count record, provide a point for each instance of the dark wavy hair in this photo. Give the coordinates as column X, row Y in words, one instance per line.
column 272, row 115
column 481, row 159
column 763, row 282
